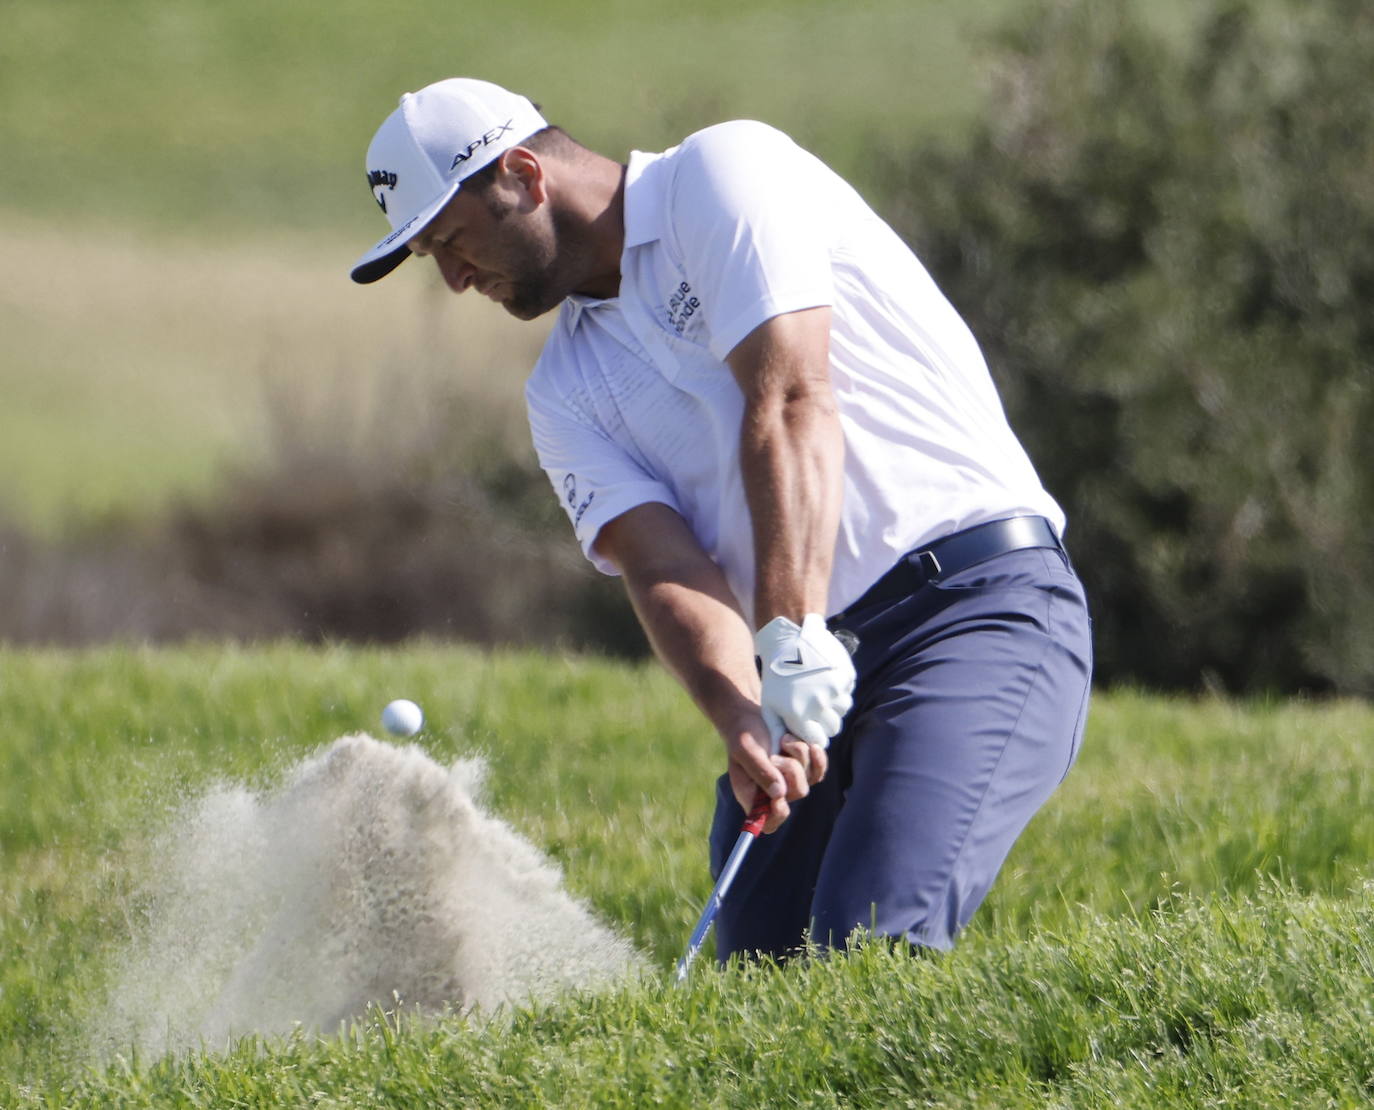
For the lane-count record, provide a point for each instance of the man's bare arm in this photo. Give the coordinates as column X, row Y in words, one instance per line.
column 694, row 624
column 791, row 458
column 792, row 466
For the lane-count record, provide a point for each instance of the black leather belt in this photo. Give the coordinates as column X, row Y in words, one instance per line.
column 951, row 554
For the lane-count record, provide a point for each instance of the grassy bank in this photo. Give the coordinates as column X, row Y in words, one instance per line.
column 1188, row 916
column 1261, row 1003
column 220, row 117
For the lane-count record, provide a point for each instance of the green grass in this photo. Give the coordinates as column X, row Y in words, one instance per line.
column 1189, row 919
column 215, row 118
column 1270, row 1009
column 224, row 116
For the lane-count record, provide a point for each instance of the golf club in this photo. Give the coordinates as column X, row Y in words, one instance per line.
column 749, row 832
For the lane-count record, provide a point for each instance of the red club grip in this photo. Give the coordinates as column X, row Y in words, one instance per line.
column 753, row 824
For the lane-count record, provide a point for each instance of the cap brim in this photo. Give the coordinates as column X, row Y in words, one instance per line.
column 391, row 251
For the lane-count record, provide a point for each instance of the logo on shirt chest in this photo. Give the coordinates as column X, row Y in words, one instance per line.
column 682, row 307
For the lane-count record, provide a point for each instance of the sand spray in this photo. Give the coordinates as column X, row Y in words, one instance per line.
column 371, row 874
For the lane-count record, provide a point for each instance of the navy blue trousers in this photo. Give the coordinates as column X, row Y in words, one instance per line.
column 969, row 709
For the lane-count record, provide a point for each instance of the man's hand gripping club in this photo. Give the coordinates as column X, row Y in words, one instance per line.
column 807, row 681
column 807, row 676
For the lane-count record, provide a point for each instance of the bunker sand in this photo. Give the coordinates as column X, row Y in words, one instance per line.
column 371, row 875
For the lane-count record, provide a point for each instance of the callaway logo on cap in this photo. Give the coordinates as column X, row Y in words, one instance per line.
column 422, row 152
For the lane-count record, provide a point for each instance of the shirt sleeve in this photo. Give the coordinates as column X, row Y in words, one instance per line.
column 747, row 216
column 594, row 478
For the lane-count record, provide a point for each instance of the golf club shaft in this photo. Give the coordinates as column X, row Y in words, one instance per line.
column 749, row 832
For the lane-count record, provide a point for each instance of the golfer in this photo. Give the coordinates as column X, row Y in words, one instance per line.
column 758, row 409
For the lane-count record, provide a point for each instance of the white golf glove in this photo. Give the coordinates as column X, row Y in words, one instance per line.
column 808, row 679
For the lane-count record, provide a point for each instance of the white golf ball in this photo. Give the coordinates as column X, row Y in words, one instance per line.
column 402, row 718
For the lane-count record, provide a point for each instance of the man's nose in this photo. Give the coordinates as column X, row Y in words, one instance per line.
column 458, row 275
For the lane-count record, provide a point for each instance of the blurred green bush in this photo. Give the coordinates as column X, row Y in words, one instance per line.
column 347, row 531
column 1166, row 248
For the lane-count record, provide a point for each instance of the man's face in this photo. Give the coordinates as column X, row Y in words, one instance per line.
column 508, row 250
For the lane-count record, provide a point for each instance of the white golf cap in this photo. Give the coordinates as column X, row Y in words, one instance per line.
column 422, row 152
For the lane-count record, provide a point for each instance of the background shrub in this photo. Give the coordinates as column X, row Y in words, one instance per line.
column 348, row 531
column 1166, row 247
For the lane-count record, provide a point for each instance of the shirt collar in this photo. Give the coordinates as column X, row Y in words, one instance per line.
column 644, row 199
column 574, row 304
column 644, row 216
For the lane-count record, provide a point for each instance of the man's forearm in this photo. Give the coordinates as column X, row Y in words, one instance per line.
column 700, row 636
column 791, row 457
column 694, row 623
column 791, row 461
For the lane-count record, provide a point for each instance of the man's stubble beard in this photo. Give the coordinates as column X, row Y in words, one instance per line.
column 547, row 263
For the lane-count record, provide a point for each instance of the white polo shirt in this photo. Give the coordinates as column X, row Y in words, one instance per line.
column 631, row 401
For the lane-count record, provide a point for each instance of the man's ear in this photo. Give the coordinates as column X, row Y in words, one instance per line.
column 524, row 165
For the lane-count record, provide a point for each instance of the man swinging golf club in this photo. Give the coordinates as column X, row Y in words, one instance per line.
column 756, row 406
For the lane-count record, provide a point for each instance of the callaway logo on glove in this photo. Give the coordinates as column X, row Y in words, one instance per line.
column 808, row 679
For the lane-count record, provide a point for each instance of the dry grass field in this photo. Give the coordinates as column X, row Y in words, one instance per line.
column 138, row 368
